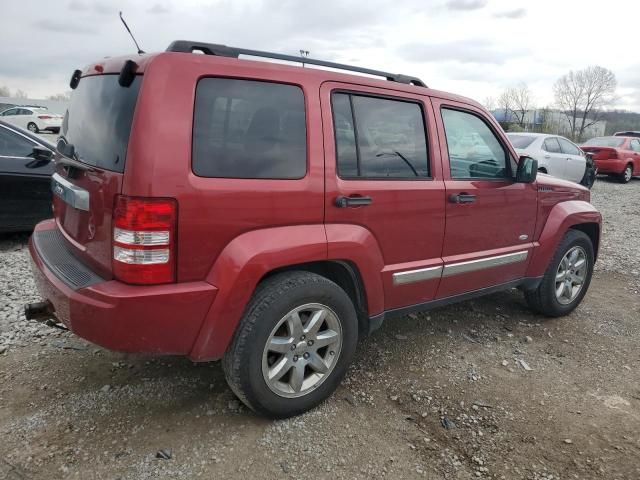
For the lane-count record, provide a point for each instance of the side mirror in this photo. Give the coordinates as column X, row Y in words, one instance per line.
column 42, row 154
column 527, row 170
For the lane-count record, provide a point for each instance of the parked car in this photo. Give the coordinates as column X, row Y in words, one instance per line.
column 615, row 156
column 34, row 119
column 25, row 179
column 556, row 156
column 628, row 133
column 271, row 215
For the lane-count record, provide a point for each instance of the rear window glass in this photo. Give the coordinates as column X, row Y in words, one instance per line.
column 249, row 129
column 98, row 121
column 605, row 141
column 521, row 141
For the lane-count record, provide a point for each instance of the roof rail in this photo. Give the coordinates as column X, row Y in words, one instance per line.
column 187, row 46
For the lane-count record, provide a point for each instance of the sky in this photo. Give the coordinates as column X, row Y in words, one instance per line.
column 475, row 48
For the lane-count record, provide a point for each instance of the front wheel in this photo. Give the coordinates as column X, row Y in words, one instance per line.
column 293, row 345
column 567, row 278
column 32, row 127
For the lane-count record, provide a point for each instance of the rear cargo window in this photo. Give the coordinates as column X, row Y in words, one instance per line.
column 98, row 121
column 249, row 129
column 521, row 141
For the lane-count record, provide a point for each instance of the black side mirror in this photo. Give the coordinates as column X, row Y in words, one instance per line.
column 527, row 170
column 42, row 154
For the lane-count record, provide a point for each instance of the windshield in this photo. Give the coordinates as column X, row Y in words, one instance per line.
column 521, row 141
column 99, row 119
column 605, row 141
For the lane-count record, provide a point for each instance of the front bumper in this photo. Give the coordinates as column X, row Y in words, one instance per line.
column 161, row 319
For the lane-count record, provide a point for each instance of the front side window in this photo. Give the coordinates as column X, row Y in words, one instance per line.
column 474, row 150
column 551, row 145
column 568, row 147
column 249, row 129
column 14, row 145
column 11, row 111
column 379, row 137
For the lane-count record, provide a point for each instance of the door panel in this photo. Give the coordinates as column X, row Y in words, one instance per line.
column 404, row 215
column 555, row 160
column 490, row 219
column 576, row 163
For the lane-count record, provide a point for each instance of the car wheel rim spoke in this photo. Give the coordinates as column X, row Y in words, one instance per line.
column 571, row 275
column 302, row 350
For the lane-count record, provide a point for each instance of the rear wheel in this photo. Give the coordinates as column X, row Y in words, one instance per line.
column 32, row 127
column 567, row 278
column 293, row 345
column 625, row 176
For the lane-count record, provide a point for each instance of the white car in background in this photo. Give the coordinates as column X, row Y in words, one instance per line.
column 556, row 155
column 34, row 119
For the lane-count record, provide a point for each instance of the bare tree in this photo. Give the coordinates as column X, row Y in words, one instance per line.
column 489, row 103
column 582, row 95
column 4, row 91
column 505, row 102
column 65, row 97
column 20, row 94
column 521, row 102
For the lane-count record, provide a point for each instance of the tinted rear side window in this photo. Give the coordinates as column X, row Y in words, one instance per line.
column 379, row 137
column 98, row 121
column 551, row 145
column 249, row 129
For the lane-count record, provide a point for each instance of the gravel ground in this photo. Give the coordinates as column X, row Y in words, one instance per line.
column 484, row 389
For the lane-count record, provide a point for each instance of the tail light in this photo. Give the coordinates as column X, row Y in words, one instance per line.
column 144, row 240
column 613, row 154
column 44, row 117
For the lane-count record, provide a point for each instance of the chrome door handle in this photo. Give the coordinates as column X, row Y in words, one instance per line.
column 352, row 201
column 462, row 198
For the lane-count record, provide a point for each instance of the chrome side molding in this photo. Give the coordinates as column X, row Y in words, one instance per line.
column 71, row 194
column 411, row 276
column 482, row 263
column 430, row 273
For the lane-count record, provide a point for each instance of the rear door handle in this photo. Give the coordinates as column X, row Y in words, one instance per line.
column 462, row 198
column 353, row 201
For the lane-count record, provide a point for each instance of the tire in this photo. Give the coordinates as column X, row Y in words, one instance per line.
column 32, row 127
column 247, row 362
column 544, row 298
column 625, row 176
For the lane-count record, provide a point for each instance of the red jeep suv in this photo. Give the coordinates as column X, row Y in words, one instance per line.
column 270, row 215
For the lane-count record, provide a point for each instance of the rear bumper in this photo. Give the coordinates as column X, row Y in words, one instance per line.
column 162, row 319
column 610, row 166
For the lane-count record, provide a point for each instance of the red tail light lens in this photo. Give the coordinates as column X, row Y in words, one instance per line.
column 144, row 240
column 613, row 154
column 44, row 117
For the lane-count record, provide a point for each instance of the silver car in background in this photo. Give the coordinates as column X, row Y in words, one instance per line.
column 556, row 155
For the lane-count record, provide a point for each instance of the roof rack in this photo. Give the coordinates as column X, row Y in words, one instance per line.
column 187, row 46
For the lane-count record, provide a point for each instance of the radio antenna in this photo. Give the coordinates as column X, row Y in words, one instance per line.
column 132, row 37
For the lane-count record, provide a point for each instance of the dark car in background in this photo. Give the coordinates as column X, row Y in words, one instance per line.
column 26, row 167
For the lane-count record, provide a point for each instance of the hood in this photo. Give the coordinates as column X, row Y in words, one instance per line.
column 557, row 190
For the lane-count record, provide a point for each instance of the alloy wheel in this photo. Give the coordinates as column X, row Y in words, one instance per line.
column 571, row 275
column 302, row 350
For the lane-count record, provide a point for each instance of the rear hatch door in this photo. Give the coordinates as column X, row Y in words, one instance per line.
column 91, row 156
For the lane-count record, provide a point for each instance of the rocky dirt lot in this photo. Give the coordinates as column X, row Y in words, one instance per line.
column 483, row 389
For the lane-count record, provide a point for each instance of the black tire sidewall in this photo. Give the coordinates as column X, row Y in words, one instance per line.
column 35, row 127
column 257, row 393
column 571, row 239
